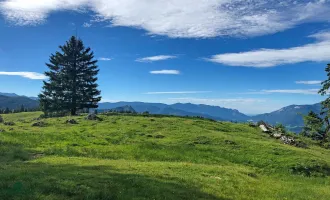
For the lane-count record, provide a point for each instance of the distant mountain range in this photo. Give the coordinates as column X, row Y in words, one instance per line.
column 14, row 102
column 290, row 116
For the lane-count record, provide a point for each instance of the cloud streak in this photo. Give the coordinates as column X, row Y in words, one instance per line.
column 263, row 58
column 286, row 91
column 29, row 75
column 179, row 92
column 155, row 58
column 105, row 59
column 179, row 18
column 217, row 101
column 309, row 82
column 165, row 71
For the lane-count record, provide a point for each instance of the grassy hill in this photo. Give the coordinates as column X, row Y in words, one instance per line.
column 136, row 157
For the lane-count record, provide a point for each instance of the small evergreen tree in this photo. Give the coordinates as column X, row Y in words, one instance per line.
column 72, row 80
column 326, row 103
column 280, row 128
column 313, row 126
column 6, row 111
column 22, row 109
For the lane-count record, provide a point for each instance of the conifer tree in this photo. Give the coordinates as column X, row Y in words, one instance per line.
column 313, row 126
column 72, row 79
column 326, row 103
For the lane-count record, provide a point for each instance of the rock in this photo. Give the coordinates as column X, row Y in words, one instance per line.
column 1, row 119
column 11, row 129
column 253, row 175
column 9, row 123
column 287, row 140
column 92, row 117
column 301, row 144
column 1, row 130
column 159, row 136
column 39, row 124
column 264, row 128
column 277, row 135
column 230, row 142
column 71, row 121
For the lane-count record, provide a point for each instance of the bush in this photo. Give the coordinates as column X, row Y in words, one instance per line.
column 1, row 119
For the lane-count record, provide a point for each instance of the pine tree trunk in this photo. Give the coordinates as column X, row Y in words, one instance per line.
column 73, row 111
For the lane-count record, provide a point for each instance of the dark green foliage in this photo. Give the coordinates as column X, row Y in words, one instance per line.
column 72, row 80
column 326, row 103
column 6, row 111
column 313, row 126
column 280, row 128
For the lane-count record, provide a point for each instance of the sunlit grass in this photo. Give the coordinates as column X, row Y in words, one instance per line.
column 136, row 157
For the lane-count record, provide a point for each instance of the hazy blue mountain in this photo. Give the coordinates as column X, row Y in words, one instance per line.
column 123, row 109
column 154, row 108
column 213, row 112
column 14, row 102
column 291, row 116
column 8, row 94
column 16, row 95
column 177, row 112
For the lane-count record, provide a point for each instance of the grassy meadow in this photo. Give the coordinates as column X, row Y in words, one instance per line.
column 138, row 157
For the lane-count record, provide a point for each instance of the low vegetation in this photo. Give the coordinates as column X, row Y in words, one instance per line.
column 150, row 157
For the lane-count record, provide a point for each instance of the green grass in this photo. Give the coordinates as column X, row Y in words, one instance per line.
column 136, row 157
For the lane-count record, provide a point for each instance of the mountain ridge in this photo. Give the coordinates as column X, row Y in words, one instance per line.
column 290, row 116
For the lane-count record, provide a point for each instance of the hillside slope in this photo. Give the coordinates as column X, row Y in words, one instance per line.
column 14, row 102
column 126, row 157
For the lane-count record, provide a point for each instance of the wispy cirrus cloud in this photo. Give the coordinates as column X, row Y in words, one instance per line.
column 309, row 82
column 217, row 101
column 180, row 18
column 29, row 75
column 286, row 91
column 105, row 59
column 155, row 58
column 179, row 92
column 166, row 71
column 263, row 58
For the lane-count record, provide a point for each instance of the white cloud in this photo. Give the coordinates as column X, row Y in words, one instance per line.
column 87, row 25
column 294, row 91
column 262, row 58
column 29, row 75
column 105, row 59
column 179, row 92
column 155, row 58
column 297, row 91
column 217, row 101
column 180, row 18
column 309, row 82
column 165, row 71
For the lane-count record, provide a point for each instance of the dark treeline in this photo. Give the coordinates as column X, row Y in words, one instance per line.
column 20, row 109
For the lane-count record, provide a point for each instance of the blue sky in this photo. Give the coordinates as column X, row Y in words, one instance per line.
column 254, row 56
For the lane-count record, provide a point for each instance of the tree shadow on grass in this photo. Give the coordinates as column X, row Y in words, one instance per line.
column 39, row 181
